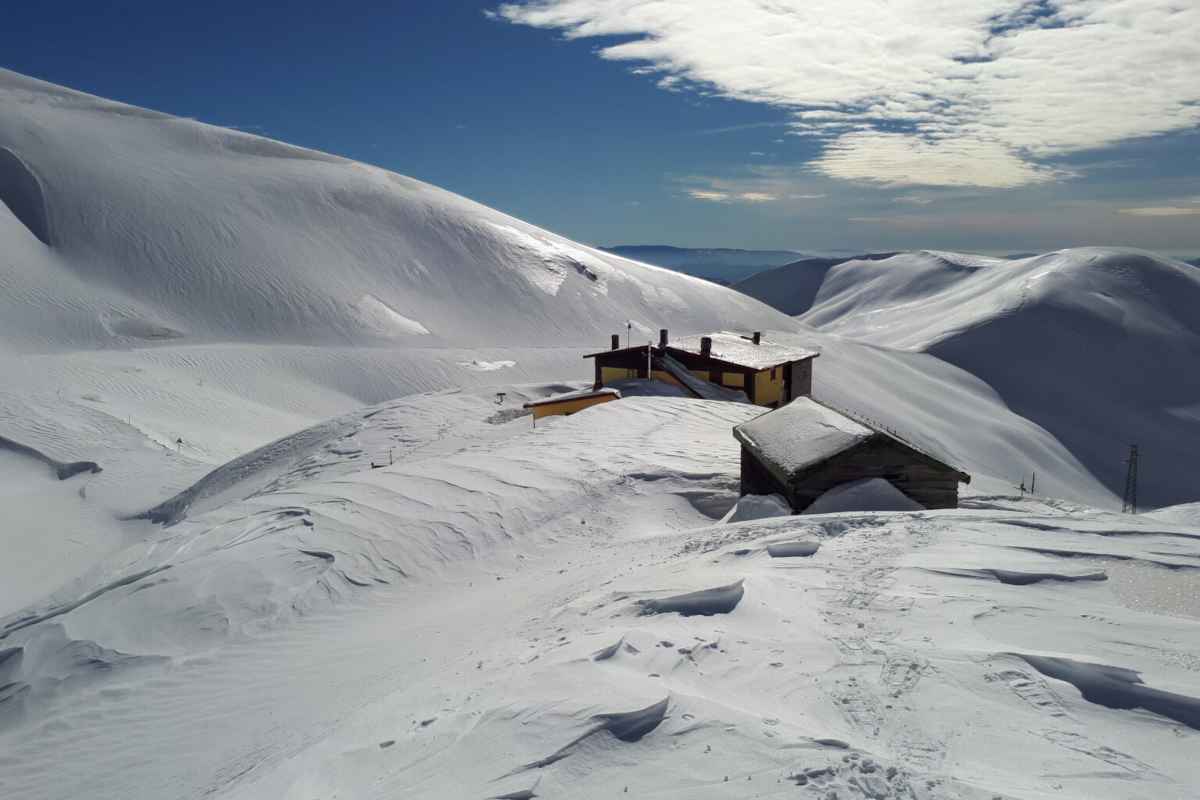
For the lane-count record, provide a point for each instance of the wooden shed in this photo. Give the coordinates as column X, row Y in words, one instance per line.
column 804, row 449
column 567, row 404
column 768, row 373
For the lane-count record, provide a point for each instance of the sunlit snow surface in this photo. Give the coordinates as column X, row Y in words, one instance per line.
column 450, row 605
column 380, row 579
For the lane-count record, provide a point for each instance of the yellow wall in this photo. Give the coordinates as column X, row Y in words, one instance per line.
column 767, row 391
column 569, row 406
column 611, row 374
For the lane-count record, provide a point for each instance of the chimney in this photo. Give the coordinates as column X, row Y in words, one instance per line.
column 757, row 339
column 662, row 337
column 616, row 341
column 705, row 346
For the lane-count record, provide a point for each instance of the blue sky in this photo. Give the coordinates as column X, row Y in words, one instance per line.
column 816, row 125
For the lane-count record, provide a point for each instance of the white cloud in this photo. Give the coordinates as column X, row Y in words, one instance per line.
column 984, row 91
column 708, row 194
column 757, row 183
column 717, row 196
column 1161, row 211
column 894, row 158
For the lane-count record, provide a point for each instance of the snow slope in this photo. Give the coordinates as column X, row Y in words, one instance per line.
column 165, row 229
column 173, row 294
column 187, row 282
column 1097, row 345
column 460, row 623
column 793, row 287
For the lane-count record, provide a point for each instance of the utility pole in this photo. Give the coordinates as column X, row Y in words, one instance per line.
column 1129, row 504
column 1033, row 484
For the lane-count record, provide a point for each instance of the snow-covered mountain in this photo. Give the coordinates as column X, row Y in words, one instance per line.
column 793, row 287
column 169, row 282
column 126, row 226
column 1097, row 345
column 374, row 577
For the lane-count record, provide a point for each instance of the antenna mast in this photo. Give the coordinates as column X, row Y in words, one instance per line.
column 1129, row 503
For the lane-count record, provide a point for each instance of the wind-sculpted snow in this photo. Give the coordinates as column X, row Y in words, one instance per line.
column 21, row 191
column 626, row 726
column 1117, row 687
column 470, row 612
column 793, row 549
column 1020, row 578
column 1065, row 338
column 706, row 602
column 305, row 523
column 62, row 469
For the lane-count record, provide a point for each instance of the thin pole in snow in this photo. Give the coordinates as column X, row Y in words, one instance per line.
column 1129, row 501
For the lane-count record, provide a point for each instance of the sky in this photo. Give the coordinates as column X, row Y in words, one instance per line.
column 996, row 126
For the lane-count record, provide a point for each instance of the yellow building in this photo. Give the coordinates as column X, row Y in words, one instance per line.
column 715, row 366
column 567, row 404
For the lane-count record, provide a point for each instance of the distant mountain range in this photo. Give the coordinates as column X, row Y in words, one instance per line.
column 719, row 264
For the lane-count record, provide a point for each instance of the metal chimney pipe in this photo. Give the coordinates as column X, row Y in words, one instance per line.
column 706, row 346
column 616, row 341
column 662, row 337
column 757, row 337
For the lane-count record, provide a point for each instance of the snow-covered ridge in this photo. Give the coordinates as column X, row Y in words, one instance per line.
column 1097, row 345
column 122, row 226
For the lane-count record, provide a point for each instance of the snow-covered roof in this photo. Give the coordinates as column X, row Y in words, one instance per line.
column 734, row 348
column 801, row 434
column 582, row 394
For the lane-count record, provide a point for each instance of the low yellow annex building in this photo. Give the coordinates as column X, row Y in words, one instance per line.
column 567, row 404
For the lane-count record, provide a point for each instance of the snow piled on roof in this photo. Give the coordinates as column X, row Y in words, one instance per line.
column 736, row 348
column 579, row 395
column 700, row 388
column 801, row 434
